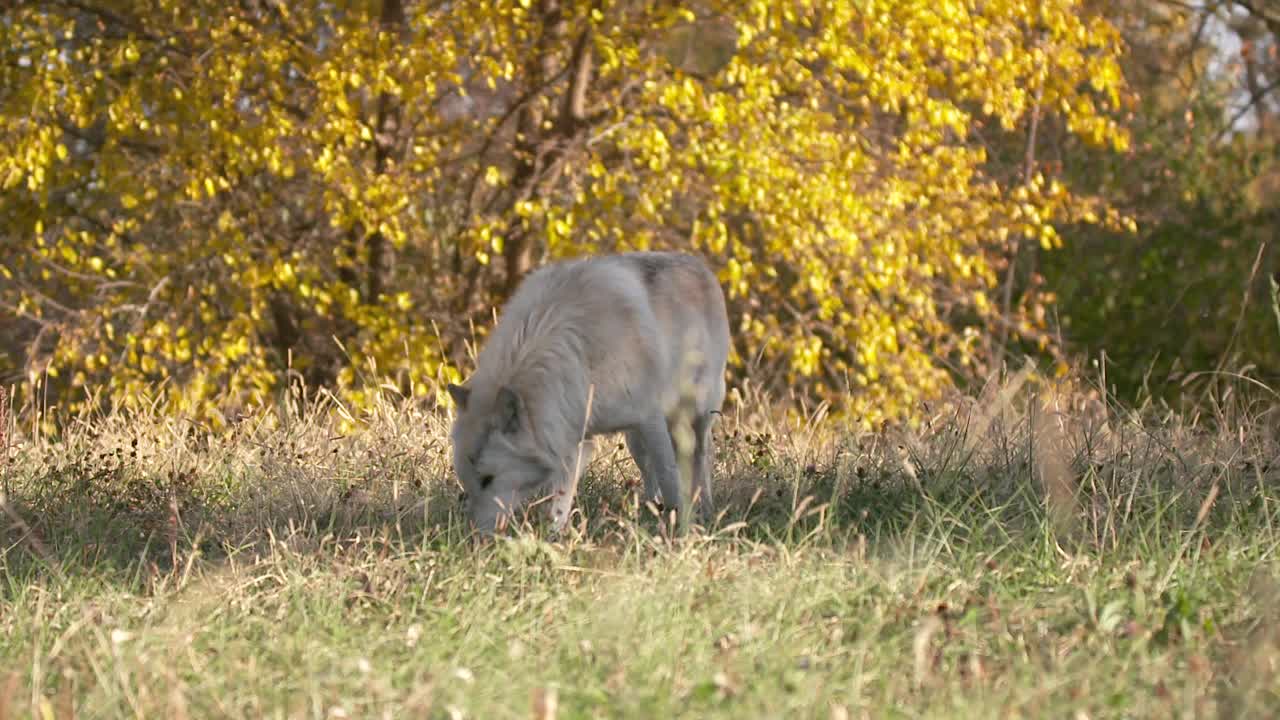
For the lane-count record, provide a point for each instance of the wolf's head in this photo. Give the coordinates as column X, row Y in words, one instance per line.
column 495, row 454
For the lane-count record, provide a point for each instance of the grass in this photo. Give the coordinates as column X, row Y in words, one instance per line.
column 1024, row 555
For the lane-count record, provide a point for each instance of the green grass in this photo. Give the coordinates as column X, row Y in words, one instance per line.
column 1012, row 559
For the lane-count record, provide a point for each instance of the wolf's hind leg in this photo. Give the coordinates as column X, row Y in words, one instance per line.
column 704, row 456
column 650, row 447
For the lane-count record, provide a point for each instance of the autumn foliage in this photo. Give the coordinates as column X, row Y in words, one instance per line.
column 204, row 199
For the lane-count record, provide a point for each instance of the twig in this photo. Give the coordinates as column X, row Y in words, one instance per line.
column 1244, row 305
column 29, row 535
column 4, row 441
column 1256, row 97
column 1275, row 298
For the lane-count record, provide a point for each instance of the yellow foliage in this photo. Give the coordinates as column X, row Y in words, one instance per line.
column 211, row 199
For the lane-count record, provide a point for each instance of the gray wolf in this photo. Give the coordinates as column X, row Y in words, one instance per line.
column 632, row 336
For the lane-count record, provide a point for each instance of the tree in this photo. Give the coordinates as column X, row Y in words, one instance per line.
column 1189, row 295
column 202, row 196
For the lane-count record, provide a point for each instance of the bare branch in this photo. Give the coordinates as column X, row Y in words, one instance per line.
column 1254, row 98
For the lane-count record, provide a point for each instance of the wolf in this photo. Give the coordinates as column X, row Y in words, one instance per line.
column 586, row 347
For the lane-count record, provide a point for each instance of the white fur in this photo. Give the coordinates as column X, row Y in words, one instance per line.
column 628, row 331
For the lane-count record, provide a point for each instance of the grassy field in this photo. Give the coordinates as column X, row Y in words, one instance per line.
column 1019, row 556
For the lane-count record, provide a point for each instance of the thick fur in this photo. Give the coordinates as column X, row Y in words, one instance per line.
column 632, row 331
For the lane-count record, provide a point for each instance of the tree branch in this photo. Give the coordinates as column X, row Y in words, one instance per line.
column 1254, row 98
column 1272, row 21
column 574, row 111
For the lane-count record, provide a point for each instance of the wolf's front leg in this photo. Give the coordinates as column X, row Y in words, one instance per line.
column 565, row 487
column 640, row 454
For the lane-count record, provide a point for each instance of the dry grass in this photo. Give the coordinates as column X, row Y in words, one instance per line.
column 1026, row 553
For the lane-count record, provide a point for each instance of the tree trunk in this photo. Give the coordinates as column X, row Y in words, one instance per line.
column 529, row 147
column 385, row 128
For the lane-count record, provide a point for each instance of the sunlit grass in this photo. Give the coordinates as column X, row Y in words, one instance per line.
column 1022, row 555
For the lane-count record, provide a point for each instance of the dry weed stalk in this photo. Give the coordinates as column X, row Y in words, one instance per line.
column 4, row 438
column 546, row 703
column 8, row 695
column 1051, row 458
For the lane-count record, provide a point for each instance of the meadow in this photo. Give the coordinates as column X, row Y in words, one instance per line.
column 1023, row 553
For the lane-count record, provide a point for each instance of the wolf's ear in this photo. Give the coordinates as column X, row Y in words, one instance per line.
column 507, row 410
column 460, row 395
